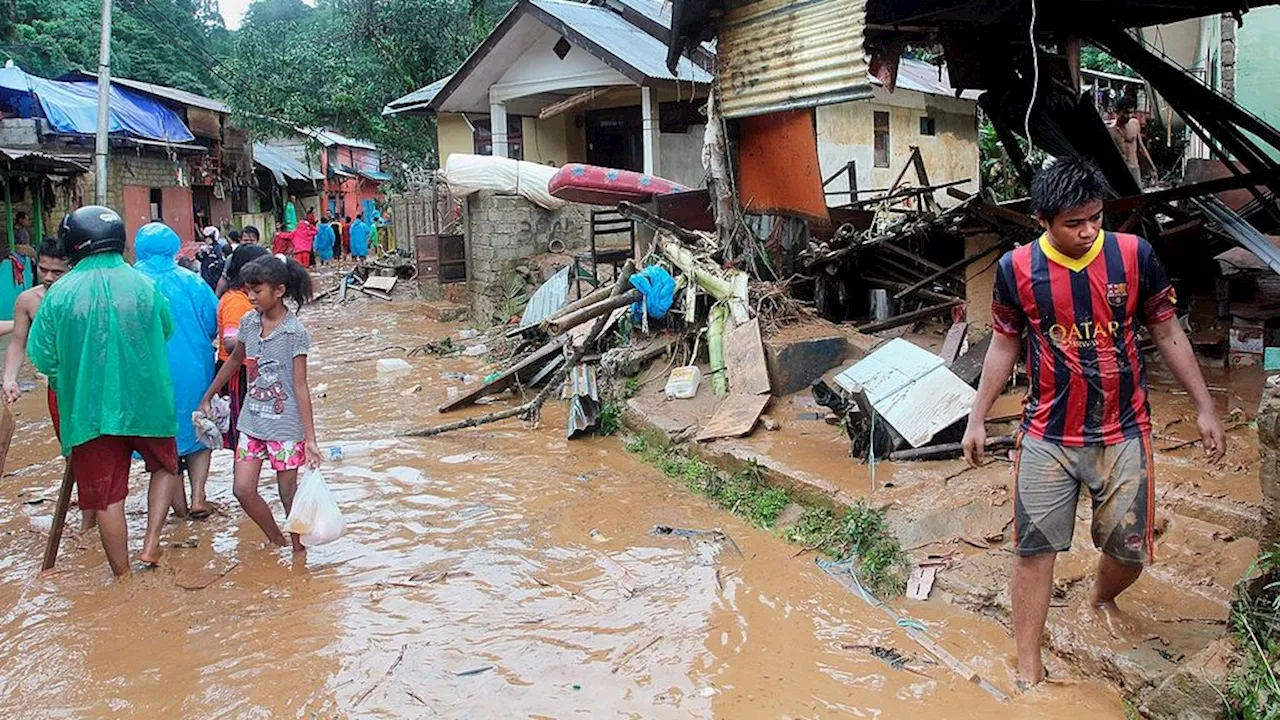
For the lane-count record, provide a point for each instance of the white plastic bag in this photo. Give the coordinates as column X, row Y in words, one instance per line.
column 315, row 515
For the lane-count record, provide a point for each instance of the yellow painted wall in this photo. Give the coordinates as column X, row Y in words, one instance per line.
column 846, row 131
column 556, row 140
column 453, row 135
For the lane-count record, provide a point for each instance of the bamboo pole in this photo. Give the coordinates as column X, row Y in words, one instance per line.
column 59, row 518
column 571, row 320
column 532, row 407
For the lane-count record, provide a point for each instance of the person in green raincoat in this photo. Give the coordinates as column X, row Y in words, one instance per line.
column 291, row 213
column 100, row 337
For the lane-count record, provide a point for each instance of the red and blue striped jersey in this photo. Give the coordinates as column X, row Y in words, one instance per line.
column 1081, row 318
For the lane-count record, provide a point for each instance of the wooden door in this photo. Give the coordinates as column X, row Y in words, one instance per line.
column 179, row 213
column 137, row 210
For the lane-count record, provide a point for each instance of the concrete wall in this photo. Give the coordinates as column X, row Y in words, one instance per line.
column 846, row 132
column 1257, row 65
column 502, row 230
column 680, row 157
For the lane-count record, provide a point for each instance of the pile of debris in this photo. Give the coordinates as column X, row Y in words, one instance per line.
column 378, row 279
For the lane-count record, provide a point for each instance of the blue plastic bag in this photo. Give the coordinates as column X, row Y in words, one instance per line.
column 659, row 290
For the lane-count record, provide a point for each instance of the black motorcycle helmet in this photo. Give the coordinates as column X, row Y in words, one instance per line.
column 90, row 230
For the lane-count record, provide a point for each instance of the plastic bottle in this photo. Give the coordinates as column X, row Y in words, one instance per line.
column 683, row 382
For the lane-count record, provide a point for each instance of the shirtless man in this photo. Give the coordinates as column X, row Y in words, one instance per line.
column 1126, row 131
column 52, row 265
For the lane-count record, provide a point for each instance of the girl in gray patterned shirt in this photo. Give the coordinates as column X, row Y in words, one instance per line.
column 276, row 424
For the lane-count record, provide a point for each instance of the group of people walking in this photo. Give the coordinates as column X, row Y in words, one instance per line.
column 318, row 242
column 134, row 354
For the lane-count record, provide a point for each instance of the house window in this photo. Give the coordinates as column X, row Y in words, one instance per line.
column 482, row 139
column 928, row 125
column 881, row 139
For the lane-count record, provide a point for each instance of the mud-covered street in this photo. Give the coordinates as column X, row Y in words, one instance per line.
column 493, row 572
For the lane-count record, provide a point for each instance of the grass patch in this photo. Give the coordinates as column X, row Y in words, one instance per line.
column 1253, row 689
column 858, row 531
column 610, row 421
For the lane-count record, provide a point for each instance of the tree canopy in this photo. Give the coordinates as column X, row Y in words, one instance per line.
column 291, row 64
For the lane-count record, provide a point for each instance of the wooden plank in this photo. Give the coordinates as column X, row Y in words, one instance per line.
column 383, row 283
column 523, row 371
column 955, row 340
column 736, row 417
column 969, row 366
column 921, row 582
column 744, row 359
column 910, row 317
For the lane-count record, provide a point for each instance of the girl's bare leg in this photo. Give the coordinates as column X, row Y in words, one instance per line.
column 287, row 482
column 245, row 488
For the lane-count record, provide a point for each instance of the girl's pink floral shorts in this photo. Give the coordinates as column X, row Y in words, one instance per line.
column 281, row 454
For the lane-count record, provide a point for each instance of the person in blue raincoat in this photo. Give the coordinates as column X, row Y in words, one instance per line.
column 194, row 308
column 360, row 231
column 324, row 242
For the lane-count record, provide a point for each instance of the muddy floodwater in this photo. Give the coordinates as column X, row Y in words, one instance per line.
column 488, row 573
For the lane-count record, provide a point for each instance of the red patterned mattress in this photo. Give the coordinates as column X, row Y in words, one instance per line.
column 605, row 186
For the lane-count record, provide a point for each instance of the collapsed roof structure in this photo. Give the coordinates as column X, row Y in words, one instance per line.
column 1028, row 88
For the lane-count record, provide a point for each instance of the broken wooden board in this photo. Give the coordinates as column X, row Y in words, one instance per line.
column 921, row 581
column 374, row 293
column 381, row 283
column 968, row 367
column 955, row 340
column 736, row 417
column 744, row 360
column 522, row 371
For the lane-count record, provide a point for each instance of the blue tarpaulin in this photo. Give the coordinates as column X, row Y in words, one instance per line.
column 72, row 107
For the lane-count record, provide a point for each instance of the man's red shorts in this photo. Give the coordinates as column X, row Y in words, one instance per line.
column 101, row 466
column 53, row 414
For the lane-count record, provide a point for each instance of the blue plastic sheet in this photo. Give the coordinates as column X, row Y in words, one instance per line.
column 658, row 288
column 72, row 107
column 194, row 309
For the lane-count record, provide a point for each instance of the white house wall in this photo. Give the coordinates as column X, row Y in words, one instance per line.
column 846, row 132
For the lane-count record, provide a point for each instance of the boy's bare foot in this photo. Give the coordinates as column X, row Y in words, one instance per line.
column 199, row 512
column 150, row 557
column 1118, row 624
column 298, row 547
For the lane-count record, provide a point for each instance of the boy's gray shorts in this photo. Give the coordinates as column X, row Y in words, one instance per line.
column 1119, row 478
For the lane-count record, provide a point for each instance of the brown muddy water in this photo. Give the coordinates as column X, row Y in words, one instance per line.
column 489, row 573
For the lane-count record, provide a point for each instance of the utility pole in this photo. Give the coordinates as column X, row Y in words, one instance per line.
column 104, row 108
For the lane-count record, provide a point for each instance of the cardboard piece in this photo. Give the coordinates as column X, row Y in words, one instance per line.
column 736, row 417
column 381, row 283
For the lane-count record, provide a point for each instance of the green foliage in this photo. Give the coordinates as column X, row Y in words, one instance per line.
column 1255, row 619
column 289, row 64
column 1000, row 178
column 1095, row 58
column 860, row 531
column 610, row 421
column 171, row 42
column 631, row 388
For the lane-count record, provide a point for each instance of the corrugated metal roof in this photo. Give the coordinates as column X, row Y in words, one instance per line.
column 329, row 137
column 283, row 167
column 1229, row 223
column 546, row 299
column 911, row 388
column 44, row 161
column 925, row 77
column 624, row 41
column 779, row 55
column 416, row 100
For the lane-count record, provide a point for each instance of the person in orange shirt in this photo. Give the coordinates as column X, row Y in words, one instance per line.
column 233, row 306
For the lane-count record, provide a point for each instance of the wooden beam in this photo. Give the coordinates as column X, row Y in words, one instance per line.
column 1184, row 192
column 572, row 102
column 910, row 317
